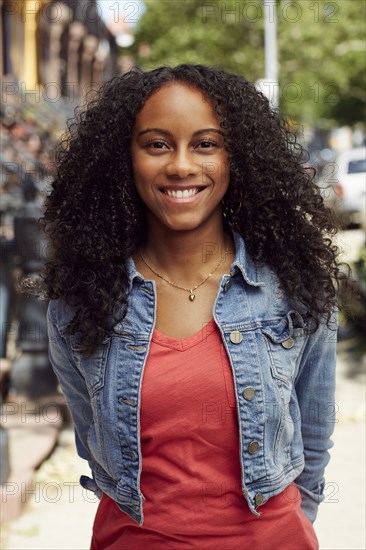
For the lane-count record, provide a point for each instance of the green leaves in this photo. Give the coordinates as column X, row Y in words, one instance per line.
column 321, row 48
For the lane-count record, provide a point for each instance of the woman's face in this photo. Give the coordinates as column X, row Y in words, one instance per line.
column 180, row 163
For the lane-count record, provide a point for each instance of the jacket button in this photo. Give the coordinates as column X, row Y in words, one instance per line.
column 249, row 393
column 253, row 447
column 227, row 285
column 288, row 344
column 259, row 499
column 131, row 455
column 235, row 337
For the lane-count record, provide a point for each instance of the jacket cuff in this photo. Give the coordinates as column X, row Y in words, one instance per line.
column 310, row 500
column 89, row 484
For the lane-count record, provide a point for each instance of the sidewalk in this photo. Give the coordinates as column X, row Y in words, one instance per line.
column 341, row 520
column 58, row 515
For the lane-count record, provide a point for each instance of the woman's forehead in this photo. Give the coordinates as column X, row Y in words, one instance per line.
column 177, row 102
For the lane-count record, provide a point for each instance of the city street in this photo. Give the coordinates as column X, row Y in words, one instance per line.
column 146, row 129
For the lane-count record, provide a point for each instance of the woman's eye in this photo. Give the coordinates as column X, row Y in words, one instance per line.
column 206, row 144
column 156, row 145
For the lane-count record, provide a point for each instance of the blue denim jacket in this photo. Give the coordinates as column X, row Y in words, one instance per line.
column 284, row 381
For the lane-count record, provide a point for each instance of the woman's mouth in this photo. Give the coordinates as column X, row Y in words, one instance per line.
column 181, row 195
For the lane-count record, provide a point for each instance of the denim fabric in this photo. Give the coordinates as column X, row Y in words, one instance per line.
column 284, row 382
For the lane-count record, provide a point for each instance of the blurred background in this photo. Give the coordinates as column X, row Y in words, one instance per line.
column 308, row 57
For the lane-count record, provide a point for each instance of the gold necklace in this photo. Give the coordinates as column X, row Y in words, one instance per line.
column 191, row 296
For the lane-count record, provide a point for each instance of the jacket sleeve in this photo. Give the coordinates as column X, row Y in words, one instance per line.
column 72, row 383
column 315, row 389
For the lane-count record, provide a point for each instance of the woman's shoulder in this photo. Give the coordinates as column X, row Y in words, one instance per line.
column 60, row 312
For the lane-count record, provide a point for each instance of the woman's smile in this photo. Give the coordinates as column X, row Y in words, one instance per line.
column 181, row 195
column 180, row 162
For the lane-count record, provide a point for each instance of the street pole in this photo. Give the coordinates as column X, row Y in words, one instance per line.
column 270, row 51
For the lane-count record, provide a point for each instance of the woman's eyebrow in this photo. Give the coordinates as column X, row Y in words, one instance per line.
column 167, row 133
column 208, row 130
column 158, row 130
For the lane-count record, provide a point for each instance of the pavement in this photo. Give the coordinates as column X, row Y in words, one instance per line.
column 32, row 428
column 57, row 513
column 340, row 524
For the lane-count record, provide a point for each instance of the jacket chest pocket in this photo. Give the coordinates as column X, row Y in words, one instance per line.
column 284, row 344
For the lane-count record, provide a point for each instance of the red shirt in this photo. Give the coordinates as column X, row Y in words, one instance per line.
column 191, row 477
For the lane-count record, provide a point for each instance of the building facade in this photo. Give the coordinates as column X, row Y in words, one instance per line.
column 60, row 46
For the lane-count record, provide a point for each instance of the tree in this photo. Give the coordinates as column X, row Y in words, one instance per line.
column 321, row 48
column 322, row 51
column 194, row 31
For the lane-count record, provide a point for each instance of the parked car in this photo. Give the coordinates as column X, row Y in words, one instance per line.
column 351, row 186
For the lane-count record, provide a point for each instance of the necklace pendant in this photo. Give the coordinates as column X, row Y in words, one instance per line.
column 192, row 296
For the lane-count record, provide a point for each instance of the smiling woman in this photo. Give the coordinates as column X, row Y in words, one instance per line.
column 192, row 314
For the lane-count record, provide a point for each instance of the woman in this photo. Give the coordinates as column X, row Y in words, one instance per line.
column 191, row 320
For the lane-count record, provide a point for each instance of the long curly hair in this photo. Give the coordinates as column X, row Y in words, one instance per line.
column 95, row 219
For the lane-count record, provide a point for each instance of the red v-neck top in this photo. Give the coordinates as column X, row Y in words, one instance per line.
column 190, row 462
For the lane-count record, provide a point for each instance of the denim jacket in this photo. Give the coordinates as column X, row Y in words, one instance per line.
column 284, row 380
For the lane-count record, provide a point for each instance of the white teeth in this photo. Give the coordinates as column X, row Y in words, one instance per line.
column 178, row 194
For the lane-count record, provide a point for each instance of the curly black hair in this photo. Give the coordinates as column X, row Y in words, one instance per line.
column 95, row 219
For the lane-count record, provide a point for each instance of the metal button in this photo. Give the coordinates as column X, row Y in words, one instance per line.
column 235, row 337
column 131, row 455
column 249, row 393
column 227, row 285
column 288, row 344
column 253, row 447
column 259, row 499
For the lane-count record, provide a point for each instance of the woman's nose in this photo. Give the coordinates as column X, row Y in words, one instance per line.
column 181, row 165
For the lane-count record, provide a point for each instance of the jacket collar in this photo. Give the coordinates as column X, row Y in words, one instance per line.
column 242, row 263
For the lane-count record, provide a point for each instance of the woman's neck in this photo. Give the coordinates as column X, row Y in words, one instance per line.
column 188, row 255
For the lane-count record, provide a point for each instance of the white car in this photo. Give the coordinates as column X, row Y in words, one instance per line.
column 351, row 185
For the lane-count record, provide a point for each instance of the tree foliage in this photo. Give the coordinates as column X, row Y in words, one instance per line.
column 321, row 48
